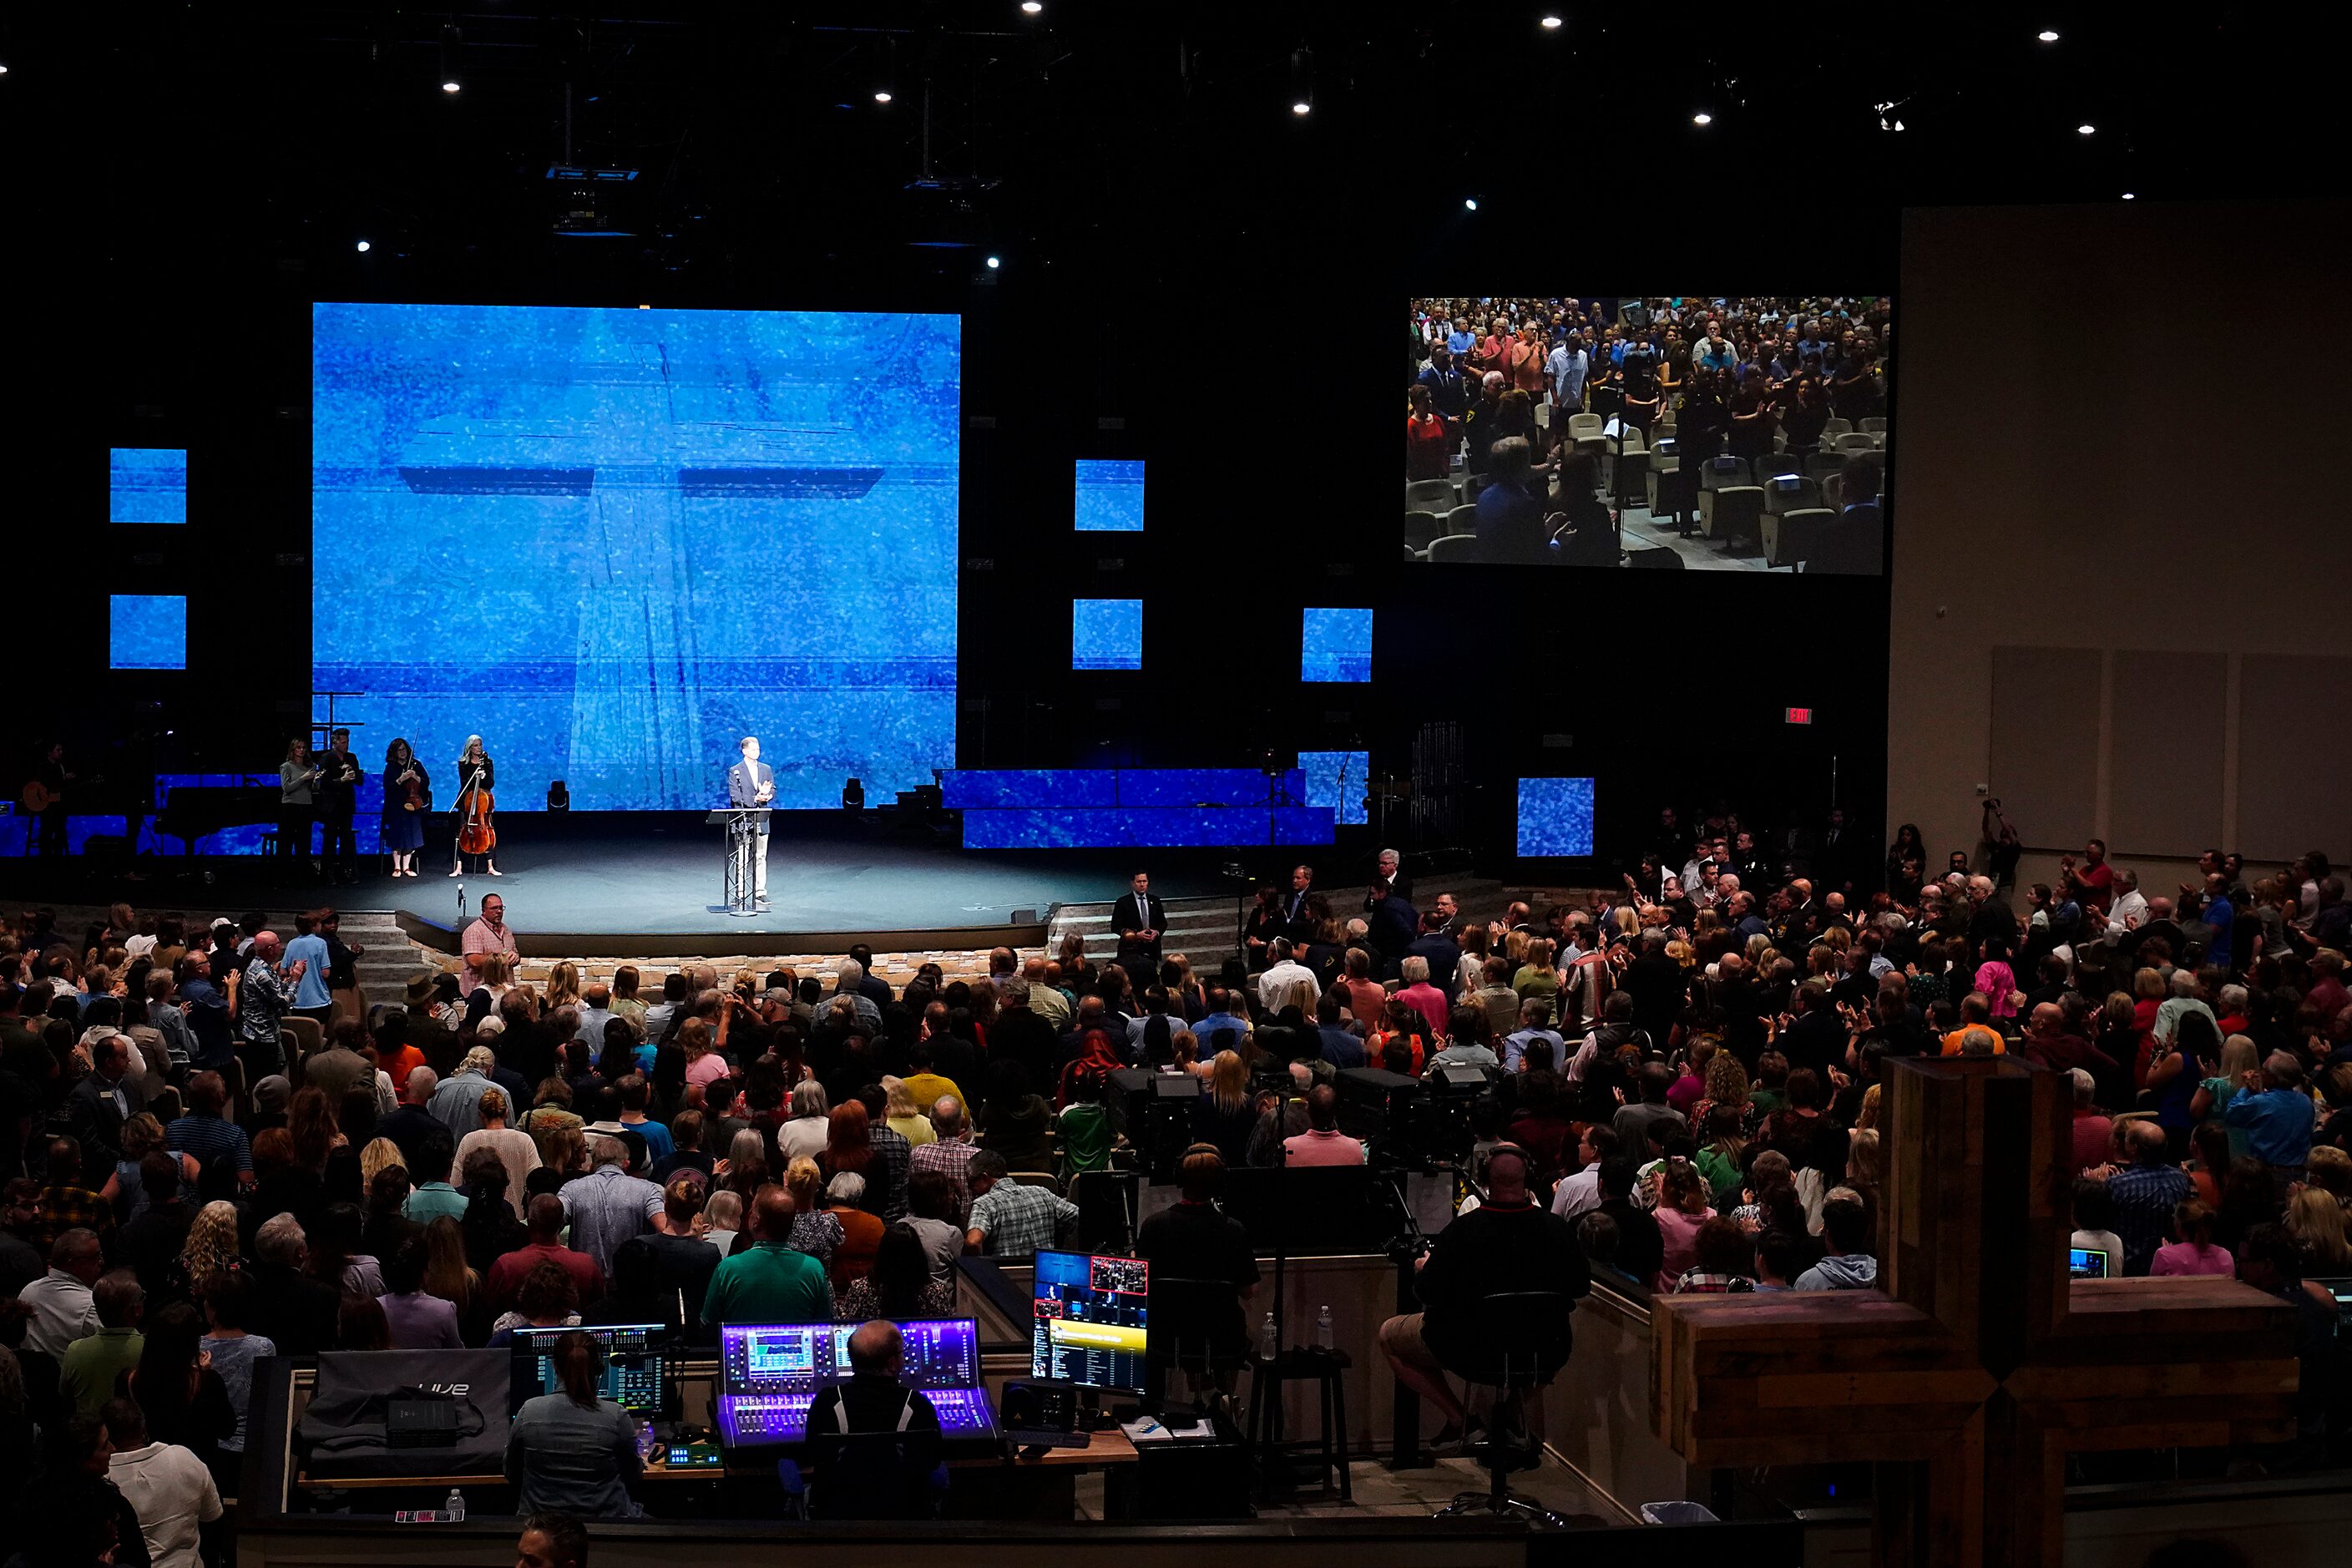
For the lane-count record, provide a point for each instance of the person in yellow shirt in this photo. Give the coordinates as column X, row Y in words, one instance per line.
column 928, row 1088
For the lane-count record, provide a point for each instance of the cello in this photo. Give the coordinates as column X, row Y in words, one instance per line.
column 477, row 834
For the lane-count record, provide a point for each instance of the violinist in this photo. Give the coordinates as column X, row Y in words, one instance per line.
column 407, row 796
column 476, row 835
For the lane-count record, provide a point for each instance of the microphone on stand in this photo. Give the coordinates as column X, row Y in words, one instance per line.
column 461, row 903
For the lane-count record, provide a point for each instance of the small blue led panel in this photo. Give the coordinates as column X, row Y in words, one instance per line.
column 1336, row 781
column 1105, row 634
column 1109, row 498
column 1555, row 817
column 1337, row 645
column 146, row 485
column 147, row 631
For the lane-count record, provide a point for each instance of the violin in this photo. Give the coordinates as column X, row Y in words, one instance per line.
column 477, row 836
column 416, row 801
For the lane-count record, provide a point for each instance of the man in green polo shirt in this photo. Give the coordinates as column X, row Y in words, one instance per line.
column 771, row 1282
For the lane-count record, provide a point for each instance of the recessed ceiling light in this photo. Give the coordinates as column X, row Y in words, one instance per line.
column 1550, row 22
column 2085, row 129
column 881, row 97
column 450, row 86
column 1470, row 204
column 2048, row 35
column 2127, row 195
column 1302, row 108
column 1031, row 7
column 993, row 263
column 364, row 247
column 1702, row 118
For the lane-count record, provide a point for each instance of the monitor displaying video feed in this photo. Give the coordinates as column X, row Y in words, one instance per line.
column 1088, row 1323
column 1708, row 433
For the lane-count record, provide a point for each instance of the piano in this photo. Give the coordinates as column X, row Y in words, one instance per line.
column 192, row 811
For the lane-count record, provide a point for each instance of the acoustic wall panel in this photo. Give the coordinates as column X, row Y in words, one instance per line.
column 2043, row 758
column 2295, row 757
column 2165, row 717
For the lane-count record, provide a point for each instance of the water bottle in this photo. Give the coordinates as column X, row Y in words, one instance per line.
column 455, row 1507
column 1269, row 1339
column 1323, row 1328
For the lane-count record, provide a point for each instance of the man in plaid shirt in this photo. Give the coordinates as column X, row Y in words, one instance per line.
column 891, row 1154
column 1008, row 1219
column 65, row 1204
column 949, row 1155
column 2146, row 1193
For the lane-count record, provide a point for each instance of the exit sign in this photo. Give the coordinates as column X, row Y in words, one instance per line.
column 1798, row 715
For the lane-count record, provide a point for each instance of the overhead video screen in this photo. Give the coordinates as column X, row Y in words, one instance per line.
column 1711, row 433
column 612, row 543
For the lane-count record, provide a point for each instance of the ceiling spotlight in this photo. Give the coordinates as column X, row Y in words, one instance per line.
column 1550, row 23
column 1702, row 118
column 1470, row 204
column 1302, row 108
column 1302, row 82
column 2127, row 195
column 1031, row 7
column 881, row 95
column 993, row 263
column 4, row 71
column 364, row 247
column 450, row 41
column 2048, row 35
column 2085, row 129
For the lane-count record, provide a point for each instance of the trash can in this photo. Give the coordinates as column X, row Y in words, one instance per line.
column 1677, row 1513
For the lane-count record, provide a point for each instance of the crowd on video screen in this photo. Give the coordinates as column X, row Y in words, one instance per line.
column 1757, row 378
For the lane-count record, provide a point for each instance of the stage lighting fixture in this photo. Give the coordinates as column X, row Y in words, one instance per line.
column 853, row 796
column 364, row 247
column 1702, row 118
column 2086, row 130
column 2048, row 35
column 4, row 71
column 1302, row 82
column 881, row 95
column 1470, row 204
column 993, row 263
column 450, row 40
column 2127, row 195
column 1302, row 108
column 1031, row 7
column 1550, row 23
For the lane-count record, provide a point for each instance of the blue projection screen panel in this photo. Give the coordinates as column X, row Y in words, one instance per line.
column 1336, row 645
column 1555, row 817
column 1109, row 497
column 1105, row 634
column 612, row 543
column 146, row 484
column 147, row 631
column 1125, row 827
column 1338, row 781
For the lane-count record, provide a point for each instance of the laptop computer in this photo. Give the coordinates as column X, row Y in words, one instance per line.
column 2088, row 1263
column 770, row 1373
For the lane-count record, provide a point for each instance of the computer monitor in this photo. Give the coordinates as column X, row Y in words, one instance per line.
column 635, row 1374
column 2088, row 1263
column 1087, row 1319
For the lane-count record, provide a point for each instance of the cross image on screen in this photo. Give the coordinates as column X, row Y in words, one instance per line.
column 614, row 542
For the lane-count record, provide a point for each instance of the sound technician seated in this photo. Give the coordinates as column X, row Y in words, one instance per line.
column 1507, row 1243
column 873, row 1403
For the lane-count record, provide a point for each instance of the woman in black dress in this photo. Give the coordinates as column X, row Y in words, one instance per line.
column 475, row 768
column 407, row 797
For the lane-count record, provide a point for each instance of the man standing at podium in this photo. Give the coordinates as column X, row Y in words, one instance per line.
column 751, row 783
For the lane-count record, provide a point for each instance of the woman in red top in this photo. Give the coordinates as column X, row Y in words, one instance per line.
column 2148, row 989
column 1428, row 443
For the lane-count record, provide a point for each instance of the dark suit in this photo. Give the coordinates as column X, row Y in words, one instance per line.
column 744, row 782
column 1855, row 545
column 297, row 1314
column 1139, row 959
column 97, row 1120
column 1390, row 928
column 1294, row 914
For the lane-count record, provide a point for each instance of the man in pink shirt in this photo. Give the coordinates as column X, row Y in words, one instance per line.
column 488, row 934
column 1426, row 999
column 1323, row 1143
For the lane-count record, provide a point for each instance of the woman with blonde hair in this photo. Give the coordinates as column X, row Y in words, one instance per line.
column 380, row 1154
column 2240, row 1056
column 447, row 1273
column 2314, row 1220
column 1224, row 1116
column 1726, row 1083
column 814, row 1231
column 564, row 985
column 901, row 1116
column 211, row 1245
column 724, row 1210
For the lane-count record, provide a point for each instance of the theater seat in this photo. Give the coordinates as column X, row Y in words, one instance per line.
column 1580, row 426
column 1805, row 493
column 1471, row 485
column 1628, row 477
column 1461, row 520
column 1731, row 513
column 1674, row 494
column 1657, row 558
column 1833, row 491
column 1430, row 495
column 1722, row 469
column 1454, row 547
column 1855, row 441
column 1420, row 528
column 1792, row 536
column 1876, row 424
column 1834, row 428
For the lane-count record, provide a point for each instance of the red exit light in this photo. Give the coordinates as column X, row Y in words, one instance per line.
column 1798, row 715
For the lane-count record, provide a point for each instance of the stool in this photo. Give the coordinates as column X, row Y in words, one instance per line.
column 1519, row 1330
column 1327, row 1368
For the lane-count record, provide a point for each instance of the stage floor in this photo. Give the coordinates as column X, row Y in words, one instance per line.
column 661, row 875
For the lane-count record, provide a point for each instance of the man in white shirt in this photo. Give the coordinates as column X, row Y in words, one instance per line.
column 63, row 1306
column 2130, row 908
column 1281, row 975
column 1582, row 1192
column 168, row 1487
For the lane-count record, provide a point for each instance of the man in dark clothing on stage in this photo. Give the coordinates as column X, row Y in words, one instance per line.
column 1139, row 918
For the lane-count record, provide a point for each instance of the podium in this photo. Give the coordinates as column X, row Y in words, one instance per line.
column 742, row 824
